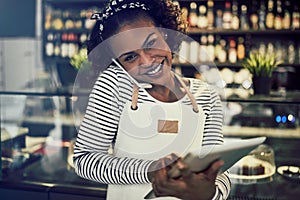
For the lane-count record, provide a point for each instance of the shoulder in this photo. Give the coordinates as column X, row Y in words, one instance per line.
column 203, row 91
column 113, row 75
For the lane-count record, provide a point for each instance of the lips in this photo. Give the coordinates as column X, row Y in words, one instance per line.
column 155, row 69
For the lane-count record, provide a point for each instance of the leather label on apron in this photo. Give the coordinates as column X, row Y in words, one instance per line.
column 167, row 126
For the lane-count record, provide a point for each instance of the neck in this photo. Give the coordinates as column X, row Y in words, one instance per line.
column 170, row 92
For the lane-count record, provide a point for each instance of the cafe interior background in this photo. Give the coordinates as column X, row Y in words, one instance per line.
column 42, row 47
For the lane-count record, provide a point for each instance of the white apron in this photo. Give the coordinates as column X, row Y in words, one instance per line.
column 138, row 137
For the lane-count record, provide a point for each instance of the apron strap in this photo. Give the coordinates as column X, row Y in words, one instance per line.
column 134, row 98
column 135, row 93
column 190, row 95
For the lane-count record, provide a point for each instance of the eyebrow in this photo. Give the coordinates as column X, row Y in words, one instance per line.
column 144, row 44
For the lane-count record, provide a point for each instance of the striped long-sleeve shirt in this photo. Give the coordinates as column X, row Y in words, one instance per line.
column 99, row 127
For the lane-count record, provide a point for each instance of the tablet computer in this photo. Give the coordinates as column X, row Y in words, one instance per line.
column 231, row 151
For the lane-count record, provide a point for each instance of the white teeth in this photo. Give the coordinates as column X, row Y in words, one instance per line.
column 155, row 70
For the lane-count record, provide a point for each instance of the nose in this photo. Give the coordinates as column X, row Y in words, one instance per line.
column 147, row 58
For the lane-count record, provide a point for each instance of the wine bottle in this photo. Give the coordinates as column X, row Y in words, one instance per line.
column 254, row 15
column 278, row 16
column 193, row 17
column 244, row 18
column 262, row 15
column 210, row 14
column 270, row 15
column 227, row 16
column 235, row 22
column 202, row 18
column 232, row 53
column 241, row 50
column 210, row 48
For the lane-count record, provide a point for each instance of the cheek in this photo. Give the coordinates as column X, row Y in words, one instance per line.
column 131, row 68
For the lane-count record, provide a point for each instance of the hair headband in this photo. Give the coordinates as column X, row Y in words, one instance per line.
column 113, row 7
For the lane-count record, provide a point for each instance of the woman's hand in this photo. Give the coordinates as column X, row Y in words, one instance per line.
column 190, row 186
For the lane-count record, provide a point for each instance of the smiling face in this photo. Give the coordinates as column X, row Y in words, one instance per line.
column 143, row 52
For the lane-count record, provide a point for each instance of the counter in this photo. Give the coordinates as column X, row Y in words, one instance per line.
column 50, row 177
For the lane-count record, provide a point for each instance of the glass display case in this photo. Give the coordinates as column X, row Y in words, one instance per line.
column 38, row 129
column 37, row 138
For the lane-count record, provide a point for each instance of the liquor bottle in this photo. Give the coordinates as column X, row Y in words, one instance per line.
column 235, row 22
column 210, row 14
column 291, row 58
column 49, row 47
column 202, row 18
column 262, row 15
column 219, row 19
column 227, row 16
column 64, row 45
column 278, row 16
column 194, row 49
column 254, row 15
column 270, row 15
column 296, row 18
column 286, row 21
column 217, row 46
column 193, row 17
column 222, row 55
column 232, row 53
column 210, row 48
column 183, row 54
column 203, row 56
column 241, row 50
column 244, row 18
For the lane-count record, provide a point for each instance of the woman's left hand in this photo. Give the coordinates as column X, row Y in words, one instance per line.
column 190, row 186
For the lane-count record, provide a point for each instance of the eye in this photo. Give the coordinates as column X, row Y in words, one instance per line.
column 130, row 58
column 151, row 43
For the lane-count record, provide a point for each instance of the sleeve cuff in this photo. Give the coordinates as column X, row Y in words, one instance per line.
column 217, row 195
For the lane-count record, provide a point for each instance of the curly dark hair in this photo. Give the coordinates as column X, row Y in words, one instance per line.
column 164, row 13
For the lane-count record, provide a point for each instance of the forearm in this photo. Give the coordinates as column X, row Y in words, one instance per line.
column 105, row 168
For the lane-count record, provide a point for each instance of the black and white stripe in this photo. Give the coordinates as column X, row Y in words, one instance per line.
column 100, row 124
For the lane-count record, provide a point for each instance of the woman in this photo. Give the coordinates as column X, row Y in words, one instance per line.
column 149, row 115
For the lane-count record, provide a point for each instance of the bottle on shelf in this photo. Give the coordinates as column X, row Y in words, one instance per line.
column 296, row 18
column 57, row 22
column 210, row 14
column 241, row 50
column 235, row 22
column 203, row 56
column 232, row 53
column 222, row 55
column 270, row 15
column 194, row 51
column 183, row 54
column 49, row 47
column 202, row 18
column 227, row 16
column 193, row 16
column 210, row 47
column 278, row 17
column 217, row 46
column 291, row 58
column 262, row 16
column 219, row 19
column 244, row 18
column 254, row 15
column 57, row 49
column 286, row 21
